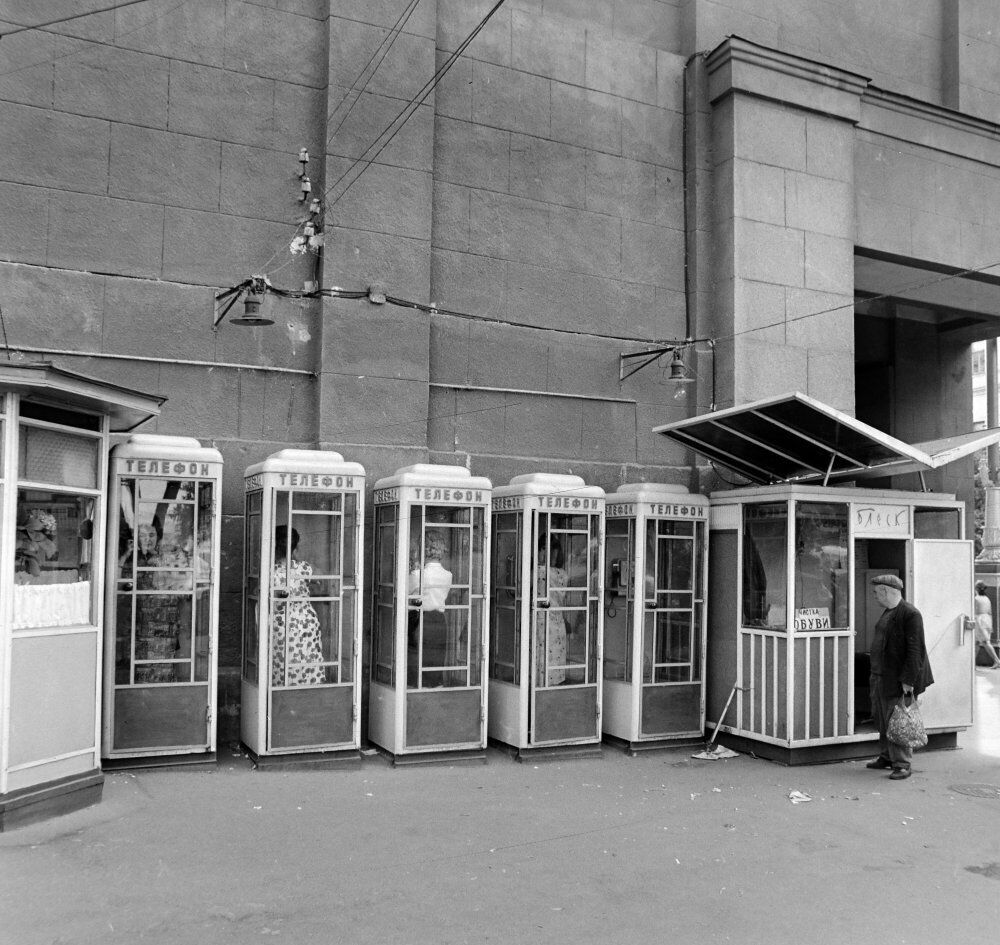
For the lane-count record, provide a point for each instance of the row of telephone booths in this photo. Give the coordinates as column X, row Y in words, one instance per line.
column 544, row 614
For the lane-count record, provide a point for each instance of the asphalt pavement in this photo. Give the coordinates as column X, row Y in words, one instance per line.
column 661, row 847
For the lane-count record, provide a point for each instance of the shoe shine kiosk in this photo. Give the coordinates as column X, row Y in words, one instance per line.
column 160, row 648
column 428, row 694
column 302, row 560
column 655, row 575
column 546, row 615
column 54, row 433
column 791, row 564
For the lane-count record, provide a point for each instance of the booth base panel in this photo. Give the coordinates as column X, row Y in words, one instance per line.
column 676, row 743
column 458, row 756
column 34, row 804
column 313, row 760
column 550, row 752
column 824, row 754
column 159, row 761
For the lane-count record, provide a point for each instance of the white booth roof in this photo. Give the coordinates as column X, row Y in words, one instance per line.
column 126, row 408
column 434, row 474
column 795, row 438
column 160, row 446
column 306, row 461
column 653, row 492
column 549, row 484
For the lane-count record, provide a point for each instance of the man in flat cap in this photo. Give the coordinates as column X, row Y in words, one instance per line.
column 899, row 666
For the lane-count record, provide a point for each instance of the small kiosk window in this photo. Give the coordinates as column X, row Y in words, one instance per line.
column 764, row 564
column 821, row 575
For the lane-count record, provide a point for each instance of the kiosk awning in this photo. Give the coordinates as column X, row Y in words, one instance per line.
column 127, row 408
column 794, row 438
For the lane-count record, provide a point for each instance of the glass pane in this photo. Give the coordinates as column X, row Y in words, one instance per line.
column 317, row 538
column 317, row 501
column 123, row 639
column 162, row 632
column 618, row 556
column 475, row 643
column 937, row 523
column 63, row 459
column 821, row 550
column 53, row 559
column 476, row 552
column 347, row 637
column 204, row 535
column 764, row 565
column 251, row 585
column 505, row 610
column 350, row 537
column 296, row 632
column 202, row 633
column 384, row 617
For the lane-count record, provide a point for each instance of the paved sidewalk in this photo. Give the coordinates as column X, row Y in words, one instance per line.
column 661, row 847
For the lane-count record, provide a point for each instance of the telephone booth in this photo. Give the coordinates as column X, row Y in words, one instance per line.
column 162, row 613
column 792, row 560
column 302, row 560
column 54, row 437
column 428, row 695
column 656, row 572
column 546, row 615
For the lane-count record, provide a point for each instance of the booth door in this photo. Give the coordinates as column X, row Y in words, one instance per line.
column 672, row 628
column 163, row 617
column 313, row 592
column 445, row 592
column 565, row 627
column 942, row 592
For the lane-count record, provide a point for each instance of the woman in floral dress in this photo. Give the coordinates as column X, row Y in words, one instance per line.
column 552, row 581
column 296, row 651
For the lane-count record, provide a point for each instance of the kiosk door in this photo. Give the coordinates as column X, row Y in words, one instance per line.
column 565, row 629
column 445, row 599
column 942, row 592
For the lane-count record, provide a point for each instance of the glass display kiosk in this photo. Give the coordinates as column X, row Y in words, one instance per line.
column 301, row 692
column 428, row 697
column 791, row 564
column 656, row 572
column 546, row 614
column 160, row 649
column 54, row 432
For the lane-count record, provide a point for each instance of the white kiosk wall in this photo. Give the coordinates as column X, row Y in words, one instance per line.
column 429, row 616
column 54, row 430
column 656, row 573
column 161, row 652
column 546, row 613
column 303, row 571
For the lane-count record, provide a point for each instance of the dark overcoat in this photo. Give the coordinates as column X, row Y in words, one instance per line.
column 904, row 653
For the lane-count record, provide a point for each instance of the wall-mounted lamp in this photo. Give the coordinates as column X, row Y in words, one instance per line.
column 678, row 370
column 252, row 315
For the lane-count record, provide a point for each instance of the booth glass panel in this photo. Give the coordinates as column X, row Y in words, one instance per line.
column 348, row 604
column 937, row 523
column 384, row 616
column 444, row 579
column 53, row 559
column 566, row 616
column 251, row 579
column 765, row 541
column 63, row 459
column 619, row 556
column 821, row 566
column 505, row 615
column 306, row 590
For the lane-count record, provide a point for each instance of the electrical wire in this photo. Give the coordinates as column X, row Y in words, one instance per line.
column 412, row 105
column 94, row 44
column 21, row 28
